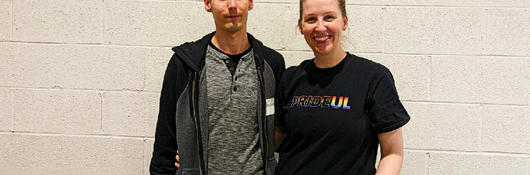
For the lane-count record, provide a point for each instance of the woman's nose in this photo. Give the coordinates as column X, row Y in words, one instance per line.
column 320, row 27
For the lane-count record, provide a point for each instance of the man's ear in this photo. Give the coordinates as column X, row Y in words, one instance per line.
column 207, row 5
column 251, row 4
column 345, row 20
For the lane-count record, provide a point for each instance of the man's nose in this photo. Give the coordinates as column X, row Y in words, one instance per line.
column 232, row 4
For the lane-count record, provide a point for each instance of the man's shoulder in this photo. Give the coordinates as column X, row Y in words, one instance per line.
column 194, row 45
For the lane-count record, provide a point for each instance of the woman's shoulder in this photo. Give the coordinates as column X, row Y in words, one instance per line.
column 302, row 67
column 367, row 65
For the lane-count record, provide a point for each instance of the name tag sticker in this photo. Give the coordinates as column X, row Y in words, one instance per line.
column 269, row 106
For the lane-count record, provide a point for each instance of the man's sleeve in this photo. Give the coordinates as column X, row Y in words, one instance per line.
column 165, row 146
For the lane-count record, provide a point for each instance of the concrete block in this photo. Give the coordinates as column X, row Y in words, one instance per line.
column 156, row 23
column 457, row 3
column 62, row 21
column 443, row 127
column 267, row 22
column 508, row 3
column 294, row 58
column 411, row 74
column 6, row 112
column 76, row 66
column 58, row 155
column 155, row 68
column 414, row 163
column 148, row 154
column 296, row 39
column 505, row 129
column 57, row 111
column 434, row 30
column 279, row 1
column 508, row 32
column 6, row 57
column 493, row 80
column 130, row 113
column 5, row 20
column 365, row 31
column 5, row 150
column 461, row 163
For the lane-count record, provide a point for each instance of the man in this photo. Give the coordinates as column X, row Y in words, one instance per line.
column 217, row 100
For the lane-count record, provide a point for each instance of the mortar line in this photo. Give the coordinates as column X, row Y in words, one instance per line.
column 385, row 14
column 489, row 153
column 481, row 124
column 101, row 111
column 75, row 135
column 462, row 103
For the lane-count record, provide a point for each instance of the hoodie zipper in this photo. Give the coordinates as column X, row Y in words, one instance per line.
column 263, row 116
column 197, row 123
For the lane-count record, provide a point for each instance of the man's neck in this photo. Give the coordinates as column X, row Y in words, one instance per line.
column 231, row 42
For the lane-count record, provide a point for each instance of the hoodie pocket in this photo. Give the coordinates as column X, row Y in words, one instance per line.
column 188, row 171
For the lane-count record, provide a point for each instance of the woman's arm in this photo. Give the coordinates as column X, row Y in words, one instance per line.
column 391, row 152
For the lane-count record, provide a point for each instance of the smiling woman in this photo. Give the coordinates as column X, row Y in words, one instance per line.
column 337, row 108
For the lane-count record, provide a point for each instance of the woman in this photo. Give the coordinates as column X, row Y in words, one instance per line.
column 337, row 108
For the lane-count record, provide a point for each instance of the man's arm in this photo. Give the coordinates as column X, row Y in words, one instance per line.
column 391, row 152
column 165, row 146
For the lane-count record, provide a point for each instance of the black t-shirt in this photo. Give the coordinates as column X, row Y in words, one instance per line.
column 332, row 116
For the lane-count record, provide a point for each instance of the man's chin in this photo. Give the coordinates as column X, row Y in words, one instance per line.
column 232, row 28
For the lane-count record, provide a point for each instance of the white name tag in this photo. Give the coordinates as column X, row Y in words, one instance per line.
column 269, row 106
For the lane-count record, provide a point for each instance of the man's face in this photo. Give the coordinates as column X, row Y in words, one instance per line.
column 229, row 15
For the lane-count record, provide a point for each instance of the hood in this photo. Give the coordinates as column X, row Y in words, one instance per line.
column 193, row 53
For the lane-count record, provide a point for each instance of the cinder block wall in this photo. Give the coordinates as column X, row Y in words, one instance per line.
column 80, row 79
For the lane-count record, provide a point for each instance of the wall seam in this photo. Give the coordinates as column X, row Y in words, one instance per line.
column 104, row 20
column 101, row 112
column 486, row 31
column 429, row 76
column 385, row 13
column 481, row 124
column 75, row 134
column 11, row 109
column 490, row 153
column 11, row 38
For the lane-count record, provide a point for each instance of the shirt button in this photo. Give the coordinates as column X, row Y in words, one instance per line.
column 227, row 61
column 235, row 88
column 231, row 68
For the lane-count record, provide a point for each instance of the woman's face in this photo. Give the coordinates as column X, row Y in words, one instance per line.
column 322, row 24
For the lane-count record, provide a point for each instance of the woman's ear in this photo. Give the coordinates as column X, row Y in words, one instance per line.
column 300, row 27
column 345, row 20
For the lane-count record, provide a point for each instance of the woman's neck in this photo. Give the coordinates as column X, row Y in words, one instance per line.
column 329, row 60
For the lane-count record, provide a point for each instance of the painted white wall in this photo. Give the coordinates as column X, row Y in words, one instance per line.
column 80, row 79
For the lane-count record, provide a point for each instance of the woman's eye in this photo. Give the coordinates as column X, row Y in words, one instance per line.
column 311, row 20
column 329, row 18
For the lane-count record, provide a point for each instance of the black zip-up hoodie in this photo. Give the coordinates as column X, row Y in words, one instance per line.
column 183, row 119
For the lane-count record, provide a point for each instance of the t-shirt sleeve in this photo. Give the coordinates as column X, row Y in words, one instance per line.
column 387, row 112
